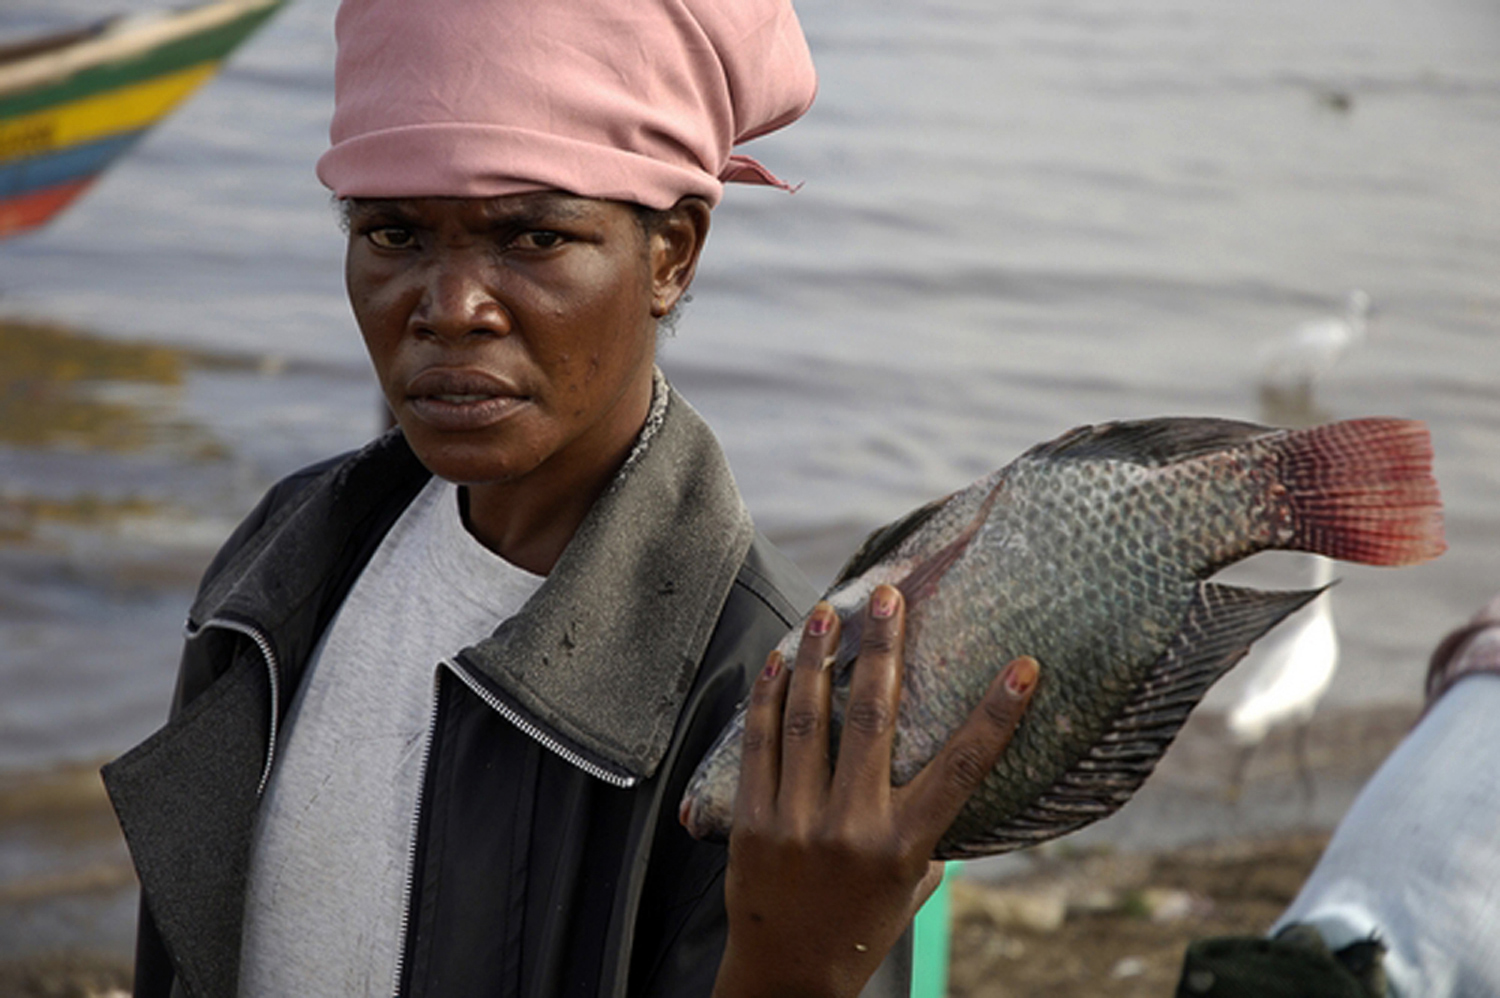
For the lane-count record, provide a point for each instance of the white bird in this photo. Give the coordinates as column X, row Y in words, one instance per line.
column 1291, row 364
column 1293, row 673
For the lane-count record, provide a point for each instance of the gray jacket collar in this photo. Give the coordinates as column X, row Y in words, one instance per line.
column 606, row 650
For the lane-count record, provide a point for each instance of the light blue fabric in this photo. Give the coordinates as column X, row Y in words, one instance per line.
column 1416, row 861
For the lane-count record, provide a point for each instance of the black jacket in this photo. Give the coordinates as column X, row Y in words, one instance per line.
column 549, row 858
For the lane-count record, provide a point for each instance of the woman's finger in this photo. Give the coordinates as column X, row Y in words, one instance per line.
column 760, row 746
column 804, row 722
column 936, row 795
column 931, row 881
column 863, row 773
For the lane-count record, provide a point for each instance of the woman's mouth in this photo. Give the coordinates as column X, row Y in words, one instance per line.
column 460, row 400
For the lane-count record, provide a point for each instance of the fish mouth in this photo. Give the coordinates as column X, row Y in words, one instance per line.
column 461, row 399
column 695, row 814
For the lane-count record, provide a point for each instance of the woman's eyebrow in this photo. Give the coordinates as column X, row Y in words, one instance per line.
column 540, row 209
column 391, row 208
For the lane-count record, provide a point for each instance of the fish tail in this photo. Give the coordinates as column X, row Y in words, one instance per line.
column 1362, row 490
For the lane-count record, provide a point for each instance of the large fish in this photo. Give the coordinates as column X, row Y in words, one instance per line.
column 1092, row 553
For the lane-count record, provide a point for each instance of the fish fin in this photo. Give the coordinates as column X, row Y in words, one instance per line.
column 1218, row 629
column 916, row 585
column 1150, row 442
column 1362, row 490
column 919, row 583
column 883, row 540
column 923, row 579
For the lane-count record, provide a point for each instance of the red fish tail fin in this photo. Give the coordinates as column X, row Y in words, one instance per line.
column 1362, row 490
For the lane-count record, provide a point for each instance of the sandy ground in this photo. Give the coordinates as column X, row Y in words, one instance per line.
column 1118, row 924
column 65, row 976
column 1093, row 924
column 1105, row 912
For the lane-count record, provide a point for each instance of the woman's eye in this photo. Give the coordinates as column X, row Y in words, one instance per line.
column 540, row 239
column 391, row 237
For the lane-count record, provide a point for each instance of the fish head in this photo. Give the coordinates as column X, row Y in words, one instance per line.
column 706, row 814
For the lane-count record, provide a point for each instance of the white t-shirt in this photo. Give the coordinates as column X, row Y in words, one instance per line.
column 332, row 846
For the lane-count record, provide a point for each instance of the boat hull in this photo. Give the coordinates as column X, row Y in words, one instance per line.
column 67, row 114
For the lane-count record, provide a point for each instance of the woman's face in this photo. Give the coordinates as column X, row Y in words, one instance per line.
column 511, row 335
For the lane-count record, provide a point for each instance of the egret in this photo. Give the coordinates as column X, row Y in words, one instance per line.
column 1294, row 668
column 1291, row 364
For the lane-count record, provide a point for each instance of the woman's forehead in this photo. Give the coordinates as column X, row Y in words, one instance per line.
column 556, row 204
column 534, row 209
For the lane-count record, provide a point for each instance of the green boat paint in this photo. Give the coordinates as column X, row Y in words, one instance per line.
column 211, row 45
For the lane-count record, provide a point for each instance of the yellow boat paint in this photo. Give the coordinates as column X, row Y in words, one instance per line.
column 127, row 109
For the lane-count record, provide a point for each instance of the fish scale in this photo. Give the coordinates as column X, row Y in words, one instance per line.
column 1091, row 553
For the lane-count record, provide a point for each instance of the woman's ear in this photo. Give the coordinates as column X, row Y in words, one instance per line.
column 675, row 242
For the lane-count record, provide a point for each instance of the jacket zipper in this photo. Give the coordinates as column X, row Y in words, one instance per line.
column 522, row 724
column 538, row 735
column 272, row 670
column 404, row 921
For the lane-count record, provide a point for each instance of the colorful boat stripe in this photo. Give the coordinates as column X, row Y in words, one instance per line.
column 209, row 47
column 126, row 110
column 68, row 110
column 75, row 163
column 30, row 210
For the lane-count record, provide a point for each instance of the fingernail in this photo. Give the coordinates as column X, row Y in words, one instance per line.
column 773, row 666
column 821, row 621
column 883, row 603
column 1020, row 676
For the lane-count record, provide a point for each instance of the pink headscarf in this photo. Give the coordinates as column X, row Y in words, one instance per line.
column 631, row 100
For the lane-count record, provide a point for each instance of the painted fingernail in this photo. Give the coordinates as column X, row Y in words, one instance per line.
column 1020, row 676
column 773, row 666
column 821, row 621
column 883, row 603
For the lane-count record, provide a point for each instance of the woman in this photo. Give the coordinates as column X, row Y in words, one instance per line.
column 439, row 698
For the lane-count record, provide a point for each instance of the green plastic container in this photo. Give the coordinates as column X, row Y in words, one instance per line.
column 929, row 964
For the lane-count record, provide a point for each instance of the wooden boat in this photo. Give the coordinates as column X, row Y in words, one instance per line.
column 72, row 103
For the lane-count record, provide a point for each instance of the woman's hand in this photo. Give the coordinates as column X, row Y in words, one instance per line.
column 828, row 865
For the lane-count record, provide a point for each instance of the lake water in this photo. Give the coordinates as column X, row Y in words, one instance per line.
column 1016, row 217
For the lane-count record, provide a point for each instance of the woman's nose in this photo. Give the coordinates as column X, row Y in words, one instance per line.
column 456, row 303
